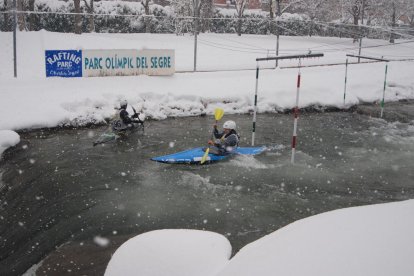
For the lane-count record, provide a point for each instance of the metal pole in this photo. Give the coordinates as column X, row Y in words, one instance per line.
column 195, row 33
column 346, row 77
column 277, row 45
column 383, row 93
column 296, row 115
column 15, row 38
column 277, row 49
column 362, row 23
column 255, row 103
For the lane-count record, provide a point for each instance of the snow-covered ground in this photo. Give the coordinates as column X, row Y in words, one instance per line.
column 171, row 252
column 8, row 138
column 372, row 240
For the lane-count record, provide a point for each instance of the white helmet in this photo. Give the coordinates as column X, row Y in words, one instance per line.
column 123, row 103
column 229, row 125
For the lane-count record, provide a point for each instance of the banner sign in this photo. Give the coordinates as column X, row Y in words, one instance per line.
column 128, row 62
column 98, row 63
column 66, row 63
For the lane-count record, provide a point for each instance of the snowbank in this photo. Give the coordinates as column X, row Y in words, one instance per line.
column 372, row 240
column 59, row 102
column 8, row 138
column 171, row 252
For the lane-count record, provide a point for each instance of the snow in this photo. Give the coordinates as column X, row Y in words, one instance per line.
column 171, row 252
column 8, row 138
column 371, row 240
column 54, row 101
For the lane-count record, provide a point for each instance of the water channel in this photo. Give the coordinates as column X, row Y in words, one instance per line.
column 58, row 193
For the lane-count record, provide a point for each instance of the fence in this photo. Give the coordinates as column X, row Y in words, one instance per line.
column 123, row 20
column 161, row 22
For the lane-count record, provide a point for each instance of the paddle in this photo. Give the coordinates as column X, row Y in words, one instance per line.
column 218, row 114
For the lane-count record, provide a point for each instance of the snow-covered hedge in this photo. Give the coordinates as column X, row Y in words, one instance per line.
column 127, row 17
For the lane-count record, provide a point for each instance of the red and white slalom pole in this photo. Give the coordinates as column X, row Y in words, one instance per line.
column 296, row 116
column 255, row 104
column 383, row 92
column 296, row 110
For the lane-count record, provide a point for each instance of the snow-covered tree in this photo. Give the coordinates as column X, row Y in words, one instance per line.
column 20, row 17
column 356, row 9
column 240, row 8
column 78, row 17
column 206, row 11
column 24, row 21
column 392, row 11
column 283, row 6
column 190, row 8
column 316, row 9
column 182, row 9
column 410, row 16
column 6, row 7
column 397, row 9
column 146, row 5
column 90, row 9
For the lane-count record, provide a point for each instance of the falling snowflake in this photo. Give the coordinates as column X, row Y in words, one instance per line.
column 103, row 242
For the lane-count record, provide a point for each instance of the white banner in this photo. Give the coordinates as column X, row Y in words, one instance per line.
column 98, row 63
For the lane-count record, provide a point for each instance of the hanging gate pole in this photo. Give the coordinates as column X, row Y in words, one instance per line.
column 255, row 103
column 385, row 80
column 346, row 77
column 296, row 116
column 296, row 110
column 383, row 92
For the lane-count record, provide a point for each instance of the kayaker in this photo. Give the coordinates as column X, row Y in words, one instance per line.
column 125, row 121
column 225, row 142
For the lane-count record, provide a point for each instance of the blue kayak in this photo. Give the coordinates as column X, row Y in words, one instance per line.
column 193, row 156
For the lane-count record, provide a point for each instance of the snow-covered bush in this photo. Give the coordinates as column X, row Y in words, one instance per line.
column 128, row 17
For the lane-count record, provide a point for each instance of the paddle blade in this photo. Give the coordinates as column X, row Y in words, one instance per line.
column 204, row 158
column 218, row 113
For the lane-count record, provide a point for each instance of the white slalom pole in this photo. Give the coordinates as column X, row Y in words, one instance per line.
column 296, row 114
column 346, row 77
column 255, row 103
column 383, row 93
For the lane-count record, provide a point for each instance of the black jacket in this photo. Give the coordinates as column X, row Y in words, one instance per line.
column 124, row 115
column 225, row 141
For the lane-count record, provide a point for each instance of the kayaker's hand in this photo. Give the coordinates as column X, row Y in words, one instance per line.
column 210, row 142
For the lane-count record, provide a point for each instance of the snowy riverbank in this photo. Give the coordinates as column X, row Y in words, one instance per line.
column 352, row 241
column 42, row 102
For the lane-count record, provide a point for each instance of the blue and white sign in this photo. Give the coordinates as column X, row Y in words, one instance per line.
column 124, row 62
column 100, row 63
column 63, row 63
